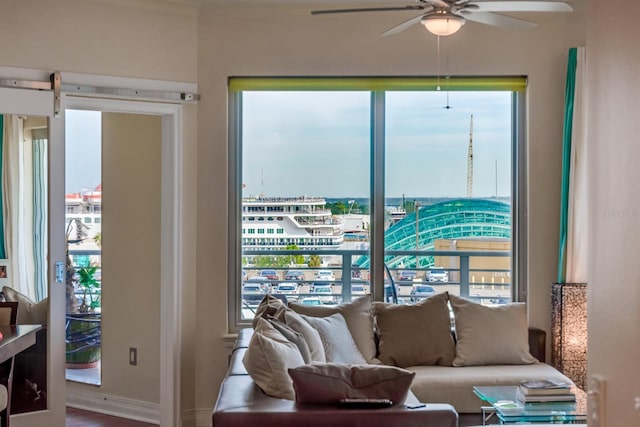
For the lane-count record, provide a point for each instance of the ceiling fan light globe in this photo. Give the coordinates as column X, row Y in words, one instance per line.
column 443, row 24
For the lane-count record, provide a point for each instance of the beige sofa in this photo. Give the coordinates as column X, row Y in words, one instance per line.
column 242, row 403
column 451, row 344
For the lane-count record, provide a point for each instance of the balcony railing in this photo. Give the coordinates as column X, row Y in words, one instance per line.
column 475, row 275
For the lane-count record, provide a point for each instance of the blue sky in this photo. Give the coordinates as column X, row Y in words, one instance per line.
column 317, row 143
column 83, row 149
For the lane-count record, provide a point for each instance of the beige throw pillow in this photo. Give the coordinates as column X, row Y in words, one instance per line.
column 270, row 306
column 339, row 346
column 268, row 358
column 415, row 334
column 29, row 312
column 294, row 337
column 358, row 317
column 310, row 334
column 490, row 335
column 329, row 383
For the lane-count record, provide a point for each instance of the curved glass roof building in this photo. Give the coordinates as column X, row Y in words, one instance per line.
column 452, row 219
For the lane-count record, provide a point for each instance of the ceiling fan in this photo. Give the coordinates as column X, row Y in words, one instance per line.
column 445, row 17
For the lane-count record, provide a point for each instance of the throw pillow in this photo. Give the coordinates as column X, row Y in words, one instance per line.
column 270, row 306
column 490, row 335
column 339, row 346
column 358, row 316
column 268, row 358
column 310, row 334
column 415, row 334
column 29, row 312
column 330, row 382
column 293, row 337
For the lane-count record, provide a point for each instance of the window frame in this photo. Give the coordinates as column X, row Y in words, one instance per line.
column 377, row 88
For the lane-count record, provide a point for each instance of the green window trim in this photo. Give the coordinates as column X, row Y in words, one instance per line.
column 3, row 254
column 453, row 83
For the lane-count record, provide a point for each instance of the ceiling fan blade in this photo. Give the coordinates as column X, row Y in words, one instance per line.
column 439, row 3
column 368, row 9
column 403, row 26
column 521, row 6
column 499, row 20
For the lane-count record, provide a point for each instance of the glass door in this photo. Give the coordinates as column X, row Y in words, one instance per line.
column 31, row 183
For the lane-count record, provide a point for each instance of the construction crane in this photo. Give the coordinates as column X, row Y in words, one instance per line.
column 470, row 161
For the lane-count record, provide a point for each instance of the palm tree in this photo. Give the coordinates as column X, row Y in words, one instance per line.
column 70, row 284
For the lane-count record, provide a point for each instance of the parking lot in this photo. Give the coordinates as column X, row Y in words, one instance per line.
column 486, row 293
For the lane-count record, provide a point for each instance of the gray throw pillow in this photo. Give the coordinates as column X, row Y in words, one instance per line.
column 337, row 341
column 328, row 383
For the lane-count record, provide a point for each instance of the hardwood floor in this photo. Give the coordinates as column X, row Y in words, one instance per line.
column 80, row 418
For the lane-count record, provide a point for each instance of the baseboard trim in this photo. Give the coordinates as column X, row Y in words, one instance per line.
column 113, row 405
column 196, row 417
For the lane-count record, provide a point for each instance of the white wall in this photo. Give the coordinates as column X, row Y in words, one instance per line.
column 613, row 159
column 276, row 41
column 131, row 147
column 146, row 39
column 106, row 37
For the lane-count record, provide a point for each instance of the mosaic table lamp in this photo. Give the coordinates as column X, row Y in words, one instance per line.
column 569, row 330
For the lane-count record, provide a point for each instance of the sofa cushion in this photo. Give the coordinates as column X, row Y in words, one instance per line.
column 415, row 334
column 310, row 334
column 339, row 346
column 241, row 403
column 328, row 383
column 358, row 317
column 454, row 385
column 490, row 335
column 268, row 358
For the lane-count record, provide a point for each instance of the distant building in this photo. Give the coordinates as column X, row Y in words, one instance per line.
column 86, row 207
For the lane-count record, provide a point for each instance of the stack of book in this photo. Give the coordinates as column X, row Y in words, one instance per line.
column 546, row 395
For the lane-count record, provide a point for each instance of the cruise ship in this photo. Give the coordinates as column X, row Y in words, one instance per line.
column 277, row 222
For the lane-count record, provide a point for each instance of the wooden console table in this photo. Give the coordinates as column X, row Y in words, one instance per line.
column 15, row 338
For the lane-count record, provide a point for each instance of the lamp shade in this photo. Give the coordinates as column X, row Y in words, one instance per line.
column 569, row 330
column 443, row 23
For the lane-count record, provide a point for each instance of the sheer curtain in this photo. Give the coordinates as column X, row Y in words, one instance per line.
column 24, row 208
column 40, row 173
column 3, row 254
column 572, row 263
column 576, row 271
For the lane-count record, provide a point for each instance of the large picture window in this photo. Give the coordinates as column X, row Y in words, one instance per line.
column 393, row 187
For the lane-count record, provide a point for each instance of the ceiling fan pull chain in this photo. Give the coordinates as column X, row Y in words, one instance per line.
column 438, row 63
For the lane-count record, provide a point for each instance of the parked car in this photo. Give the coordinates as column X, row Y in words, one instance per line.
column 419, row 292
column 388, row 292
column 325, row 275
column 289, row 289
column 270, row 274
column 294, row 275
column 252, row 293
column 406, row 277
column 358, row 289
column 311, row 301
column 325, row 291
column 261, row 281
column 438, row 275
